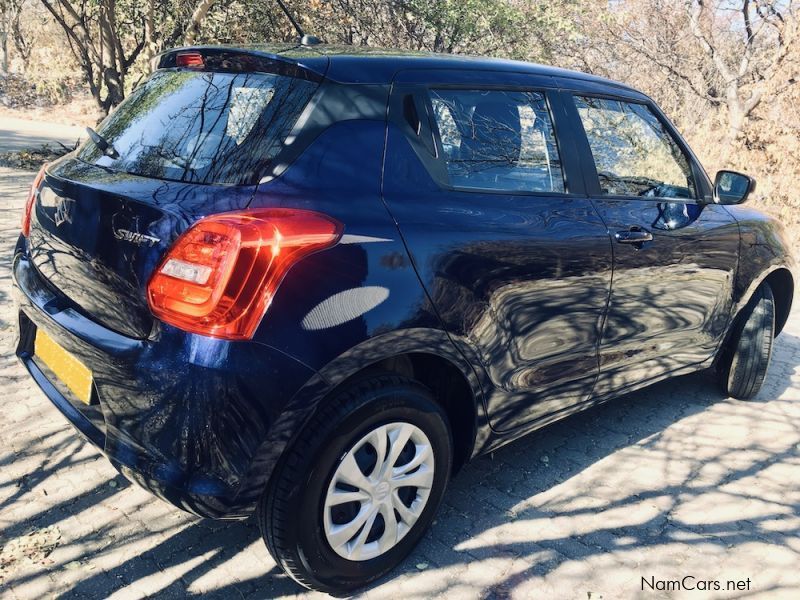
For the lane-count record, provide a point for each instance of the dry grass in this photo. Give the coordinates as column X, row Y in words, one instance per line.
column 769, row 151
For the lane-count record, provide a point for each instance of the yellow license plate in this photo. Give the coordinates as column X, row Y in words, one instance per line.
column 72, row 372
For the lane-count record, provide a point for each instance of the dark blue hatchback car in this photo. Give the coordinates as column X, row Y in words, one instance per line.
column 312, row 282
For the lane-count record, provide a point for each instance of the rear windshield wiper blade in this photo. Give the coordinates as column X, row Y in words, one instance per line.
column 102, row 143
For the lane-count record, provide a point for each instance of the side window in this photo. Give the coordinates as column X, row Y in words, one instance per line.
column 633, row 152
column 498, row 140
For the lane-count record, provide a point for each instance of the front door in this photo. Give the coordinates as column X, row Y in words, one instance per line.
column 675, row 254
column 510, row 250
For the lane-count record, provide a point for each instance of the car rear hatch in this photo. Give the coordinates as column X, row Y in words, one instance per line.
column 189, row 142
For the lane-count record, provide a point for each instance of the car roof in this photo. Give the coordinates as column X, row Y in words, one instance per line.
column 364, row 64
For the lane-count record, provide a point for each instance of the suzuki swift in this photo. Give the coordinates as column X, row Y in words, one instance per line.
column 310, row 283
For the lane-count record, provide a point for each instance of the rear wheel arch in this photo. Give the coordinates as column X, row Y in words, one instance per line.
column 418, row 353
column 451, row 388
column 449, row 385
column 429, row 356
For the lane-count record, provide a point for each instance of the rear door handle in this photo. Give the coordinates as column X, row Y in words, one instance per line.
column 634, row 235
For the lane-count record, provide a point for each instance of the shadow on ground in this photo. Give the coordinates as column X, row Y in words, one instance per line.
column 672, row 479
column 498, row 491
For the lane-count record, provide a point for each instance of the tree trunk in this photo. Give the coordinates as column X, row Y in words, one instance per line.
column 6, row 25
column 736, row 123
column 21, row 45
column 112, row 77
column 4, row 52
column 193, row 29
column 438, row 41
column 150, row 47
column 739, row 111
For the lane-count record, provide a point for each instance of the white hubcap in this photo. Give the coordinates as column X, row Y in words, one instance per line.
column 378, row 491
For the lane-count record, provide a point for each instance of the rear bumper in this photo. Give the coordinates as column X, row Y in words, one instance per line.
column 189, row 418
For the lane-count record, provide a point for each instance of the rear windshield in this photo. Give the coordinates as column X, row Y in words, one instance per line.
column 202, row 127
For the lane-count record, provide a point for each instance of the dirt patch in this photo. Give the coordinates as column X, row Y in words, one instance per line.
column 32, row 548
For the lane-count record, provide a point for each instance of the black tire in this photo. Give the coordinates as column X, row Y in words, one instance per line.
column 745, row 359
column 290, row 513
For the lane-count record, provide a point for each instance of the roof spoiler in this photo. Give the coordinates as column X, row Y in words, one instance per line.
column 235, row 60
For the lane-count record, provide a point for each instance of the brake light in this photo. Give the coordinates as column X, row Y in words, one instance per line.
column 191, row 60
column 26, row 216
column 220, row 276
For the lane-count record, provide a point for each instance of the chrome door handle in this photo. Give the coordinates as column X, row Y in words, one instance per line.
column 634, row 235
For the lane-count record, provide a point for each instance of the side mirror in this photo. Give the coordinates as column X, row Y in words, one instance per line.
column 731, row 187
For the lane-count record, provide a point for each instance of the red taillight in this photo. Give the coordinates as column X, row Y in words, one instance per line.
column 191, row 60
column 219, row 277
column 26, row 216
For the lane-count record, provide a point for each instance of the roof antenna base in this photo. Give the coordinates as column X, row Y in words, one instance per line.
column 309, row 40
column 305, row 38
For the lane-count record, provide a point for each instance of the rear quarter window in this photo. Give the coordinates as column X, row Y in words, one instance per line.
column 202, row 127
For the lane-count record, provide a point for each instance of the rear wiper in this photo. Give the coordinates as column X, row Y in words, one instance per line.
column 102, row 143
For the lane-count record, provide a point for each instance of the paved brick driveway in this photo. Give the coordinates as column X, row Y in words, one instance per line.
column 672, row 481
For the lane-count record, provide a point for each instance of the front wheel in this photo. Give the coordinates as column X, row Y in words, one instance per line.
column 745, row 359
column 360, row 486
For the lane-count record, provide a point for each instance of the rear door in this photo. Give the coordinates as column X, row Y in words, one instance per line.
column 481, row 177
column 187, row 143
column 675, row 254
